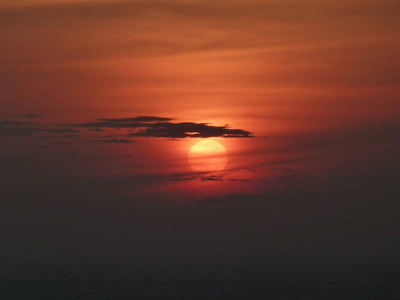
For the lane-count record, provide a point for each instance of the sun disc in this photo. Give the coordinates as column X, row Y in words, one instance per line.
column 207, row 156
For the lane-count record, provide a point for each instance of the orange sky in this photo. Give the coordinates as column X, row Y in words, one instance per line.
column 271, row 65
column 316, row 82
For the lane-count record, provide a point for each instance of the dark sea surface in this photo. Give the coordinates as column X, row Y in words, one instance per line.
column 198, row 278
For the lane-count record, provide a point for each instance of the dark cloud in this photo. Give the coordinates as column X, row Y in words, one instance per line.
column 134, row 122
column 238, row 179
column 207, row 178
column 138, row 119
column 17, row 131
column 140, row 126
column 13, row 123
column 27, row 116
column 151, row 126
column 286, row 178
column 25, row 129
column 183, row 178
column 212, row 178
column 108, row 124
column 15, row 128
column 72, row 136
column 54, row 137
column 190, row 130
column 281, row 170
column 47, row 137
column 120, row 141
column 58, row 130
column 96, row 129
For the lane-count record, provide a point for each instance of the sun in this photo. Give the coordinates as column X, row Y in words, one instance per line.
column 207, row 156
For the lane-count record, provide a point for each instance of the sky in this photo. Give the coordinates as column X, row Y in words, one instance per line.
column 102, row 101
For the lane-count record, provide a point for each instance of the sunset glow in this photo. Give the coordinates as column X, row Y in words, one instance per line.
column 207, row 156
column 154, row 129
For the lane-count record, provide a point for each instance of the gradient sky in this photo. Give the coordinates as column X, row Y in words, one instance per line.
column 102, row 100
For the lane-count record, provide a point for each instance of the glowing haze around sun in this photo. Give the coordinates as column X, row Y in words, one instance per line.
column 207, row 156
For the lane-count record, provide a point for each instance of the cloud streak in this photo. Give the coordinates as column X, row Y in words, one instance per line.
column 27, row 116
column 140, row 126
column 151, row 126
column 111, row 141
column 26, row 129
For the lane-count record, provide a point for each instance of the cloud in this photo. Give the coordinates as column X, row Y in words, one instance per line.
column 25, row 129
column 206, row 178
column 140, row 126
column 16, row 128
column 27, row 116
column 190, row 130
column 151, row 126
column 72, row 136
column 96, row 129
column 17, row 131
column 239, row 179
column 58, row 130
column 47, row 137
column 221, row 178
column 13, row 123
column 143, row 119
column 286, row 177
column 212, row 178
column 186, row 178
column 120, row 141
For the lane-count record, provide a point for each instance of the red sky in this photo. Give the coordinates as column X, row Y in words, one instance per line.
column 316, row 83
